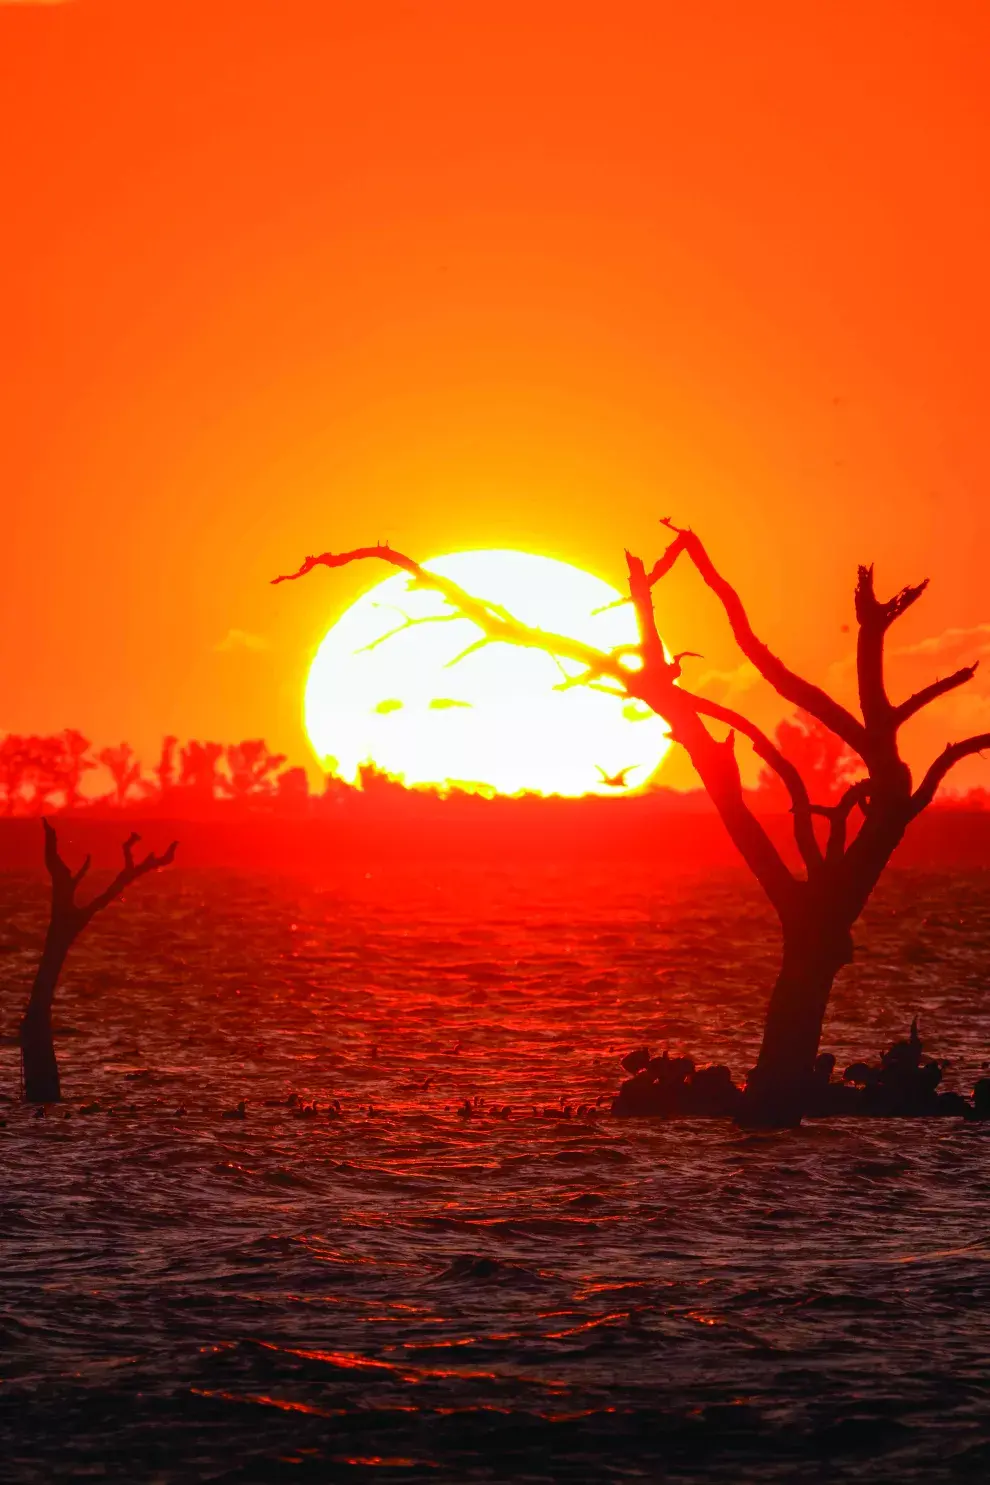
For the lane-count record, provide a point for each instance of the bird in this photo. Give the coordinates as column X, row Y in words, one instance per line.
column 239, row 1113
column 616, row 780
column 905, row 1054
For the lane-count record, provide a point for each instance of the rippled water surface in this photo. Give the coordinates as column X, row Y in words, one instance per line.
column 407, row 1293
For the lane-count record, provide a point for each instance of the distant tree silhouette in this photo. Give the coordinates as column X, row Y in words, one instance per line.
column 251, row 767
column 292, row 788
column 70, row 764
column 825, row 762
column 35, row 771
column 14, row 756
column 817, row 908
column 44, row 775
column 198, row 768
column 974, row 799
column 124, row 768
column 68, row 919
column 165, row 767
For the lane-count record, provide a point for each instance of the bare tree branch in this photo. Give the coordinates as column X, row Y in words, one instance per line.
column 651, row 645
column 946, row 760
column 928, row 694
column 65, row 882
column 801, row 807
column 590, row 681
column 857, row 793
column 590, row 677
column 786, row 683
column 838, row 817
column 874, row 617
column 715, row 762
column 128, row 873
column 408, row 623
column 663, row 564
column 478, row 644
column 872, row 622
column 495, row 622
column 57, row 869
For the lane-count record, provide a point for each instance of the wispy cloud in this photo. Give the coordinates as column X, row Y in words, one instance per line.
column 240, row 639
column 723, row 685
column 976, row 641
column 955, row 647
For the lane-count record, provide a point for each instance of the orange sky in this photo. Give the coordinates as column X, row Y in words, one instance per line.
column 288, row 274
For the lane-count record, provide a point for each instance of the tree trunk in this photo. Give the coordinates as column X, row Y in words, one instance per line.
column 777, row 1091
column 41, row 1080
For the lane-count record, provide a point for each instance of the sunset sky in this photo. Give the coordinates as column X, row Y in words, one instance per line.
column 290, row 274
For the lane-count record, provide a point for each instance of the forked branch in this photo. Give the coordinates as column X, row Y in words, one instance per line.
column 874, row 617
column 874, row 739
column 838, row 817
column 65, row 881
column 810, row 698
column 946, row 760
column 801, row 806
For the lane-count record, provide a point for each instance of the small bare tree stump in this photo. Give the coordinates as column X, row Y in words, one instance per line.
column 68, row 919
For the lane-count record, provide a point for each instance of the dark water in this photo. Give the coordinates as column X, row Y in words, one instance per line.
column 403, row 1293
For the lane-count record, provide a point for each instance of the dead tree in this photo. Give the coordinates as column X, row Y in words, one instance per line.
column 68, row 919
column 818, row 906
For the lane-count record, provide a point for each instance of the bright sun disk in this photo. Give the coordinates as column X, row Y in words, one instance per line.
column 495, row 719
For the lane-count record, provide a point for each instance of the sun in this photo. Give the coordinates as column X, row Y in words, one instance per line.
column 387, row 689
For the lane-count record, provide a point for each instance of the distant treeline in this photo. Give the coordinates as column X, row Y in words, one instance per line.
column 62, row 773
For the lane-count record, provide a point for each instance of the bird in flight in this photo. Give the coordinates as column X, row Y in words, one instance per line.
column 616, row 780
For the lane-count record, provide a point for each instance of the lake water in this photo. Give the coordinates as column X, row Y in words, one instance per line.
column 407, row 1293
